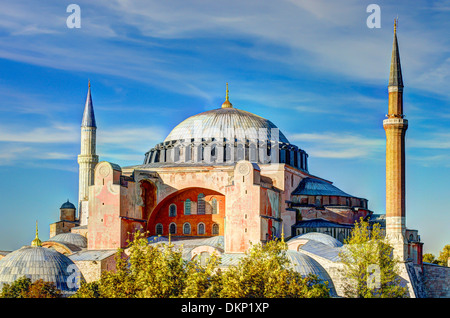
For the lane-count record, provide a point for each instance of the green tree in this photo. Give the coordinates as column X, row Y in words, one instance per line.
column 24, row 288
column 444, row 255
column 429, row 258
column 265, row 273
column 152, row 271
column 160, row 271
column 370, row 270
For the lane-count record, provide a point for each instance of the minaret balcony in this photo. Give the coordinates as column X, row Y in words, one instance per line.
column 395, row 121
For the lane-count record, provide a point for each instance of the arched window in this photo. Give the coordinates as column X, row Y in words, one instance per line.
column 187, row 228
column 187, row 207
column 201, row 229
column 173, row 228
column 172, row 210
column 214, row 206
column 159, row 229
column 201, row 204
column 215, row 229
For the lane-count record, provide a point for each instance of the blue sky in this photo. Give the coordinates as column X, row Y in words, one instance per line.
column 313, row 68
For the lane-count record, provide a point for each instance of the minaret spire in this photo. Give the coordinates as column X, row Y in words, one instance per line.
column 395, row 126
column 87, row 159
column 395, row 76
column 88, row 115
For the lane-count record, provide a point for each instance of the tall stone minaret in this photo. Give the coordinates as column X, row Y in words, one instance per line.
column 87, row 159
column 395, row 126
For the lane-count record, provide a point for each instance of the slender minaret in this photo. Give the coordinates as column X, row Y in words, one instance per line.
column 395, row 126
column 87, row 159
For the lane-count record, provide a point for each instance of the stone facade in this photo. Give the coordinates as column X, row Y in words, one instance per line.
column 436, row 281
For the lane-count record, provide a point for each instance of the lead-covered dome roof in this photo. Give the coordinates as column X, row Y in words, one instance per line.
column 67, row 205
column 224, row 136
column 71, row 238
column 318, row 237
column 36, row 263
column 227, row 123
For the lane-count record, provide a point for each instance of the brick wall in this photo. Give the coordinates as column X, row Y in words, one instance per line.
column 436, row 281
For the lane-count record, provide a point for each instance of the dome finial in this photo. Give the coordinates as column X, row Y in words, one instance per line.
column 89, row 83
column 226, row 103
column 36, row 242
column 226, row 96
column 395, row 25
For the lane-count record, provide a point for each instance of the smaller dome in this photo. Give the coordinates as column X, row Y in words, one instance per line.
column 67, row 205
column 71, row 238
column 40, row 263
column 319, row 237
column 305, row 265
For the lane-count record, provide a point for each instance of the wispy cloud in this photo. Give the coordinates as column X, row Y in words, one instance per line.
column 319, row 33
column 339, row 146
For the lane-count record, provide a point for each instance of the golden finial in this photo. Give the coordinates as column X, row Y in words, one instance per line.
column 395, row 25
column 36, row 242
column 226, row 95
column 89, row 83
column 226, row 103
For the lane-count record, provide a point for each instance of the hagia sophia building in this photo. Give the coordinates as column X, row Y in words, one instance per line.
column 220, row 181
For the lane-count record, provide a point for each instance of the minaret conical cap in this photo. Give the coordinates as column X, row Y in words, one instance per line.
column 88, row 115
column 395, row 76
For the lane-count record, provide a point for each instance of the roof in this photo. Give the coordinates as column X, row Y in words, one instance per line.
column 319, row 237
column 39, row 263
column 313, row 186
column 305, row 265
column 229, row 123
column 316, row 223
column 322, row 250
column 92, row 255
column 67, row 205
column 71, row 238
column 378, row 218
column 88, row 115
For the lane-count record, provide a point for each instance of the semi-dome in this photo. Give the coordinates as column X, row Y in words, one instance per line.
column 305, row 265
column 71, row 238
column 226, row 123
column 36, row 262
column 319, row 237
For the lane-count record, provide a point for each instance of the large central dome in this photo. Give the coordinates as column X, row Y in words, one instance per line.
column 226, row 123
column 225, row 136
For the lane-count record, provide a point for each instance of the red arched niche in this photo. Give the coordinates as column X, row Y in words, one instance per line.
column 148, row 195
column 163, row 215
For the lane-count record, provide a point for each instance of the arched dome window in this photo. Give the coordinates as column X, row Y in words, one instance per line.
column 187, row 207
column 159, row 229
column 201, row 229
column 201, row 204
column 172, row 210
column 173, row 228
column 215, row 229
column 187, row 228
column 214, row 206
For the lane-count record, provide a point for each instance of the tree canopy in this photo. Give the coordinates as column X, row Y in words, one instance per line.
column 370, row 270
column 159, row 271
